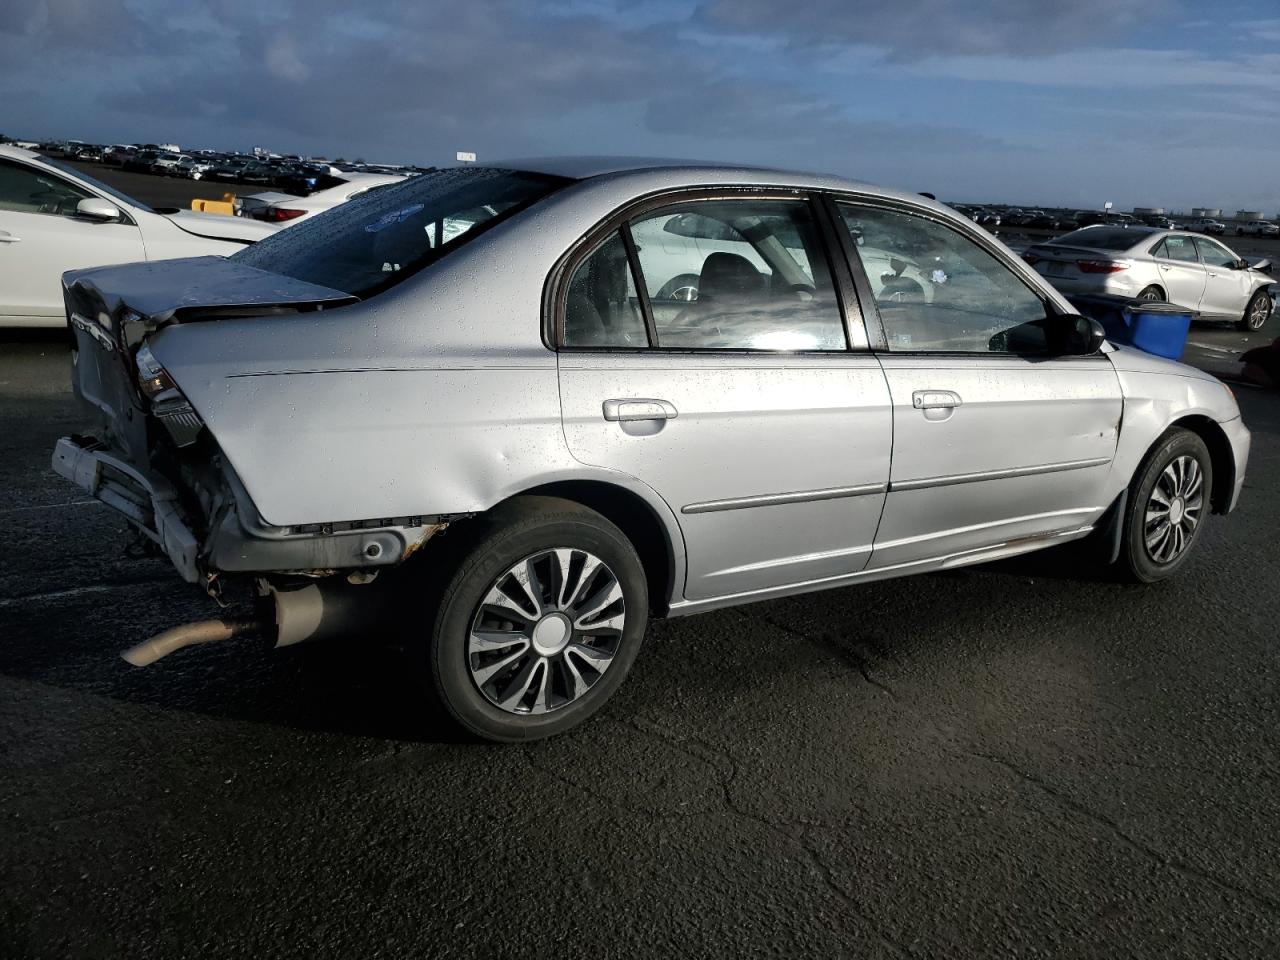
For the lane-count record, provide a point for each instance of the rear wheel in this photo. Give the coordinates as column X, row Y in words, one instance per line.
column 1257, row 313
column 1167, row 506
column 1151, row 293
column 542, row 617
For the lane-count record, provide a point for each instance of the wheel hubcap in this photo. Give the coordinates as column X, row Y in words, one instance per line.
column 551, row 635
column 1261, row 310
column 546, row 631
column 1174, row 509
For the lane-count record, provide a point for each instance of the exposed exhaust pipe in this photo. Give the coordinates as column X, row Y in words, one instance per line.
column 311, row 612
column 189, row 634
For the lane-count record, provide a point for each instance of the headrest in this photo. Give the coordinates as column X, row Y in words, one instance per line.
column 728, row 275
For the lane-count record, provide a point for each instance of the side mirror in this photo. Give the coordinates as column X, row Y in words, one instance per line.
column 1055, row 336
column 96, row 209
column 1240, row 265
column 1075, row 335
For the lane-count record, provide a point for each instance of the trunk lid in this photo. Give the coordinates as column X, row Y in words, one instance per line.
column 111, row 310
column 213, row 226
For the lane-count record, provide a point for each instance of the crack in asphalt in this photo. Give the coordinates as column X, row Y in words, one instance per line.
column 859, row 662
column 811, row 856
column 853, row 655
column 49, row 506
column 72, row 592
column 1173, row 863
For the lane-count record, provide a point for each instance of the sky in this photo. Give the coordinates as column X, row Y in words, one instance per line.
column 1172, row 103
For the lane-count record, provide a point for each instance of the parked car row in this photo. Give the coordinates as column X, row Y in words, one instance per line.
column 1039, row 219
column 294, row 175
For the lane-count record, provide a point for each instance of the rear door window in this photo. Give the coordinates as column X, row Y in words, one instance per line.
column 749, row 274
column 1178, row 248
column 602, row 308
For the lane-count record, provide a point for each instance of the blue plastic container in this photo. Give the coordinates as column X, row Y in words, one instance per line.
column 1150, row 325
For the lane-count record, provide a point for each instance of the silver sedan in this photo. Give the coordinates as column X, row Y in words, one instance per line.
column 1186, row 269
column 514, row 412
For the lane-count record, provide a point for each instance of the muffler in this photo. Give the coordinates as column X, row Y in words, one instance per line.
column 313, row 611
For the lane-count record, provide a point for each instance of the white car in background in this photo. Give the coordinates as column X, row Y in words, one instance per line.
column 54, row 219
column 1207, row 225
column 1257, row 228
column 285, row 208
column 192, row 168
column 167, row 162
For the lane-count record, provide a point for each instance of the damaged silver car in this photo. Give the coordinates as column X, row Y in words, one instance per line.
column 514, row 412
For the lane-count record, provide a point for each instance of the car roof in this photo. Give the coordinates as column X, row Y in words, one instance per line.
column 683, row 172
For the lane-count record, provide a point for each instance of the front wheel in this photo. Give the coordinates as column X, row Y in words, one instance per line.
column 540, row 621
column 1167, row 506
column 1257, row 313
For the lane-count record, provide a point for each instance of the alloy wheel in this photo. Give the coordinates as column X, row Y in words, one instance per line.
column 1174, row 509
column 1259, row 311
column 546, row 631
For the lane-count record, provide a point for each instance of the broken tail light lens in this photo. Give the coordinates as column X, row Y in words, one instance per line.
column 168, row 405
column 153, row 379
column 1103, row 266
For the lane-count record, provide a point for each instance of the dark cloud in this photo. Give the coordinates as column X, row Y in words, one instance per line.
column 83, row 28
column 909, row 31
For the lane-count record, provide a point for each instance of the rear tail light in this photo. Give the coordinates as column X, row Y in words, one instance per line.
column 168, row 404
column 280, row 214
column 153, row 379
column 1103, row 266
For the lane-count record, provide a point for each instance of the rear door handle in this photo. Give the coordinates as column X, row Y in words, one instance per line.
column 7, row 237
column 638, row 409
column 934, row 399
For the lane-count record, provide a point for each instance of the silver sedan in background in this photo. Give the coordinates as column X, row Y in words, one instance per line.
column 1186, row 269
column 521, row 409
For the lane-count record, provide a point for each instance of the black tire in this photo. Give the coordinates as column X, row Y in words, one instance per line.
column 491, row 546
column 1136, row 560
column 1257, row 313
column 1152, row 293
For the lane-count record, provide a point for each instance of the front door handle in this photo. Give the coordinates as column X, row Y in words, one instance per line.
column 7, row 237
column 637, row 409
column 934, row 399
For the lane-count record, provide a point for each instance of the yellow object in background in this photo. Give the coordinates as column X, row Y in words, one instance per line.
column 226, row 206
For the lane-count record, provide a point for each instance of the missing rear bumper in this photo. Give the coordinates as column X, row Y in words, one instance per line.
column 144, row 500
column 238, row 542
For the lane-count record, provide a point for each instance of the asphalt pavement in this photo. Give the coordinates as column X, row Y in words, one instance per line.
column 1024, row 759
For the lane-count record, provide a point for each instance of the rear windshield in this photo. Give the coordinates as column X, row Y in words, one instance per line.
column 382, row 236
column 1102, row 238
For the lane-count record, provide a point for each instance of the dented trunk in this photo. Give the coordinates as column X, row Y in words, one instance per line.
column 150, row 457
column 111, row 311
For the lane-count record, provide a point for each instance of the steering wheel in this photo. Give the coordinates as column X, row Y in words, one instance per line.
column 902, row 290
